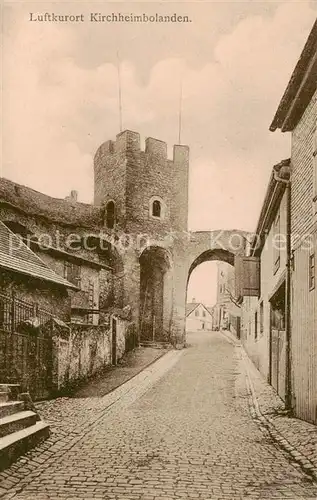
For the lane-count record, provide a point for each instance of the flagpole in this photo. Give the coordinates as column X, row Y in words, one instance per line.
column 180, row 109
column 119, row 92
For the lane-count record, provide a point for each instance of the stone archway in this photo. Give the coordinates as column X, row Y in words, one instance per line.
column 199, row 247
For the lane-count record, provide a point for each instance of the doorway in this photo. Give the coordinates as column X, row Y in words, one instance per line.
column 277, row 341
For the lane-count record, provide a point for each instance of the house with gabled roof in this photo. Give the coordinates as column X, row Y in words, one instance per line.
column 198, row 317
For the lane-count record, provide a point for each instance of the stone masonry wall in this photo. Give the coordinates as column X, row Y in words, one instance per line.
column 131, row 177
column 85, row 351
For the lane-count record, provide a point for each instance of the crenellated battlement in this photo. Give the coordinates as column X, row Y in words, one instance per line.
column 129, row 141
column 131, row 176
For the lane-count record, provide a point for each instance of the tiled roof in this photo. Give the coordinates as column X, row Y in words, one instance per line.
column 54, row 209
column 191, row 306
column 18, row 257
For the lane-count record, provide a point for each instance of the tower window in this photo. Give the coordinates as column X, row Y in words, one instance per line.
column 156, row 208
column 110, row 214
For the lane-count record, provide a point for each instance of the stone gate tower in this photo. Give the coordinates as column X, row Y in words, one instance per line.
column 144, row 196
column 144, row 191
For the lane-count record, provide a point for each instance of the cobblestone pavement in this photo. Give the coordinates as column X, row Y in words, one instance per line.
column 296, row 436
column 181, row 429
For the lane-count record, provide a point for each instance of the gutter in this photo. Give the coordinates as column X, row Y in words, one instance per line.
column 288, row 338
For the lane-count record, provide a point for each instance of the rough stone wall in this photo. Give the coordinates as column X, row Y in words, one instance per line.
column 110, row 176
column 131, row 177
column 110, row 290
column 33, row 203
column 121, row 337
column 85, row 352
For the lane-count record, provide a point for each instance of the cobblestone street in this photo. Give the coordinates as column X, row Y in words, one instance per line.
column 180, row 429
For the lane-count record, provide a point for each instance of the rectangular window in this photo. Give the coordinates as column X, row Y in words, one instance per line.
column 276, row 243
column 312, row 271
column 204, row 314
column 196, row 313
column 72, row 272
column 256, row 325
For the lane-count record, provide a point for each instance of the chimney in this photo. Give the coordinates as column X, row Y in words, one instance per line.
column 194, row 300
column 73, row 196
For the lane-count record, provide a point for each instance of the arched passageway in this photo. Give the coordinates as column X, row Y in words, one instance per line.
column 155, row 294
column 200, row 247
column 211, row 255
column 210, row 303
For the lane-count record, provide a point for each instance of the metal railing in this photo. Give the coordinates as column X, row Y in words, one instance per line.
column 15, row 312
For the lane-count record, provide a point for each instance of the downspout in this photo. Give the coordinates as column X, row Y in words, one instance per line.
column 288, row 367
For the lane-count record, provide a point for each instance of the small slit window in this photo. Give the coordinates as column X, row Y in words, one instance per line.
column 156, row 208
column 312, row 271
column 110, row 214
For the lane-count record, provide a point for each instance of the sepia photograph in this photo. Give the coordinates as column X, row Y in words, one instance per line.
column 158, row 239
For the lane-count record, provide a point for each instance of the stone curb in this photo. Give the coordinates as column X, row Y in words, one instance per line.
column 278, row 437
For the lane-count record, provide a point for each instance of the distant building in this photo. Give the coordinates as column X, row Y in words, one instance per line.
column 227, row 310
column 198, row 317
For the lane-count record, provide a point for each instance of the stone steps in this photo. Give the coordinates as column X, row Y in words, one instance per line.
column 18, row 443
column 10, row 407
column 16, row 422
column 21, row 428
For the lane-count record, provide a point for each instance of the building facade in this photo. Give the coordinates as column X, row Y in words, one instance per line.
column 198, row 317
column 227, row 309
column 263, row 316
column 297, row 114
column 279, row 323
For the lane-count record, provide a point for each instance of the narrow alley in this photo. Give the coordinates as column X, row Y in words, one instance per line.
column 182, row 428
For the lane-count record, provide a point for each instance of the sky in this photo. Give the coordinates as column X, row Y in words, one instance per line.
column 60, row 97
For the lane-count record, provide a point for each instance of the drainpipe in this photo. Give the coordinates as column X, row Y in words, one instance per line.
column 288, row 372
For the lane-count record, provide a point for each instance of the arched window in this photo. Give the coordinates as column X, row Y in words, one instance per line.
column 110, row 215
column 156, row 208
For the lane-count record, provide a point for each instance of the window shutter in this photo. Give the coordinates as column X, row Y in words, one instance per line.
column 247, row 277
